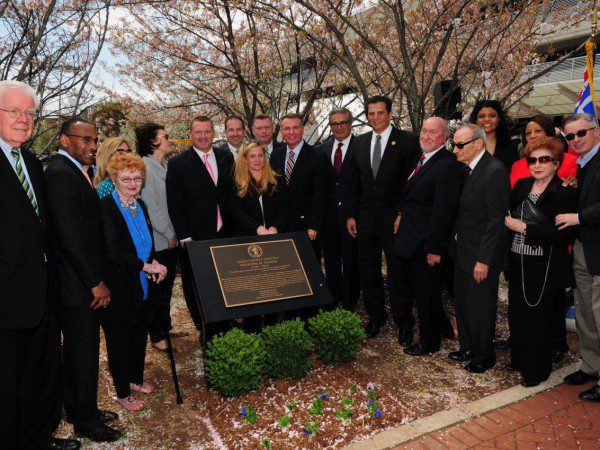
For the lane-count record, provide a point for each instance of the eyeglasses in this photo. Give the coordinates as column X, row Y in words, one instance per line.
column 461, row 145
column 128, row 180
column 86, row 139
column 15, row 113
column 581, row 133
column 123, row 150
column 531, row 160
column 339, row 124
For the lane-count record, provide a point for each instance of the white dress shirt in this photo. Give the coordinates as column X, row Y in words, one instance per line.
column 212, row 160
column 234, row 151
column 473, row 163
column 7, row 150
column 345, row 144
column 295, row 150
column 385, row 135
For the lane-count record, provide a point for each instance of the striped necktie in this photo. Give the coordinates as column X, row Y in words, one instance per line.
column 289, row 166
column 23, row 179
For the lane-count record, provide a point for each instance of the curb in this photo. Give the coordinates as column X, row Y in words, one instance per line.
column 408, row 432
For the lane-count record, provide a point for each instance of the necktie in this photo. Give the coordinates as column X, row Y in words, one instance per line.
column 376, row 156
column 289, row 166
column 418, row 166
column 466, row 172
column 212, row 176
column 87, row 177
column 337, row 159
column 267, row 153
column 23, row 179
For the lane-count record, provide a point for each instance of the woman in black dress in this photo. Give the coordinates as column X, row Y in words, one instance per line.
column 540, row 264
column 256, row 203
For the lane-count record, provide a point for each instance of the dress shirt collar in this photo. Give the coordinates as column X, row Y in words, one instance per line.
column 430, row 154
column 7, row 149
column 73, row 160
column 232, row 149
column 473, row 163
column 385, row 135
column 583, row 160
column 201, row 154
column 345, row 142
column 295, row 150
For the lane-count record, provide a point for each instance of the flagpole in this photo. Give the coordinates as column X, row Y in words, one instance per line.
column 590, row 48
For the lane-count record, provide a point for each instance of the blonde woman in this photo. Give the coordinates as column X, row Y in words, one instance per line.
column 257, row 202
column 108, row 148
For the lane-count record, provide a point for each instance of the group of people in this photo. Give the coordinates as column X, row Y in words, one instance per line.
column 87, row 248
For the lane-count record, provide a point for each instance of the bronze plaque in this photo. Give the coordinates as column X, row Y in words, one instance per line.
column 260, row 272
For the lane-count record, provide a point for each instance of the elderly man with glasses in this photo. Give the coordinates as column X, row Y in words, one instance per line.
column 583, row 135
column 478, row 247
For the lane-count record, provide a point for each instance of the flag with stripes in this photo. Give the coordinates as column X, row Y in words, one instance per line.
column 587, row 96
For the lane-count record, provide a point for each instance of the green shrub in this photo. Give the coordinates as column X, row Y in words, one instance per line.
column 287, row 346
column 336, row 335
column 234, row 362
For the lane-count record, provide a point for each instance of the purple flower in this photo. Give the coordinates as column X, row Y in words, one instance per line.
column 243, row 411
column 306, row 432
column 370, row 386
column 378, row 413
column 370, row 402
column 324, row 396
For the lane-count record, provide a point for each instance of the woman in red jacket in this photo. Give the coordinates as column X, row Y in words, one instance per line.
column 541, row 126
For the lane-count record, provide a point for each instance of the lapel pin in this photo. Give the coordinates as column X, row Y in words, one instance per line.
column 393, row 142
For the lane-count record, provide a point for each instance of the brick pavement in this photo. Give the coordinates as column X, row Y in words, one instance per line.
column 555, row 418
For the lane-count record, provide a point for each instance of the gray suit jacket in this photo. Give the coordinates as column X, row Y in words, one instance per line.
column 479, row 233
column 154, row 194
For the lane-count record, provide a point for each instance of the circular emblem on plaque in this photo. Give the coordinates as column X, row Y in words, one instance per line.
column 255, row 251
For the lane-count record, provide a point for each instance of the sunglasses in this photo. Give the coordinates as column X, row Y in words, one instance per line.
column 461, row 145
column 531, row 160
column 86, row 139
column 581, row 133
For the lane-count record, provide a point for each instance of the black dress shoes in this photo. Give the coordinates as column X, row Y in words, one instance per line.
column 108, row 416
column 405, row 337
column 591, row 395
column 579, row 377
column 461, row 355
column 474, row 367
column 372, row 330
column 529, row 384
column 419, row 349
column 63, row 444
column 99, row 433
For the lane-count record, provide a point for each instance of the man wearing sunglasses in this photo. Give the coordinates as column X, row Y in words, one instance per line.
column 82, row 258
column 479, row 248
column 583, row 135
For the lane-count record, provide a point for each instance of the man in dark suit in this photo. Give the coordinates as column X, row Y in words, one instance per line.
column 340, row 250
column 235, row 132
column 583, row 135
column 29, row 336
column 479, row 248
column 262, row 129
column 82, row 257
column 381, row 162
column 305, row 175
column 198, row 183
column 429, row 206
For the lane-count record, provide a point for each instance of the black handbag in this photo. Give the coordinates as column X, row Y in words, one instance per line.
column 530, row 214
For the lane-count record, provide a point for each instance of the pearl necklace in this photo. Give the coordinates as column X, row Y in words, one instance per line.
column 131, row 207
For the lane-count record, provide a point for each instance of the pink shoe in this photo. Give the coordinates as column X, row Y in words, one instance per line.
column 143, row 388
column 130, row 403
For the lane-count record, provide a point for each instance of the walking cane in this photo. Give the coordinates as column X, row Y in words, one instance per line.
column 169, row 346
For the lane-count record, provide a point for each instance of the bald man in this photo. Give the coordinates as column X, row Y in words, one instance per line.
column 429, row 205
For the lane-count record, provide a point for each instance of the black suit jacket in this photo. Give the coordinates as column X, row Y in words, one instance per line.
column 556, row 199
column 375, row 203
column 429, row 207
column 336, row 216
column 479, row 233
column 124, row 266
column 589, row 215
column 247, row 214
column 192, row 197
column 23, row 243
column 308, row 190
column 77, row 224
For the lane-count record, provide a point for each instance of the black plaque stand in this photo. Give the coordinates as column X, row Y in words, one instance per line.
column 208, row 291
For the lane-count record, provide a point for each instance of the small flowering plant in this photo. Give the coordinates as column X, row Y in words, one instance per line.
column 311, row 427
column 250, row 416
column 375, row 410
column 284, row 421
column 317, row 407
column 344, row 413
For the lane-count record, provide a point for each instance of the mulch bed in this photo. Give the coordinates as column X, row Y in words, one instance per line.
column 408, row 388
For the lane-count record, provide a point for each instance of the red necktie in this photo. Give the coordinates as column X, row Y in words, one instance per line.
column 418, row 167
column 337, row 159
